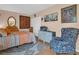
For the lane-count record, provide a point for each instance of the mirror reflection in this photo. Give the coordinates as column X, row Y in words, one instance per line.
column 11, row 21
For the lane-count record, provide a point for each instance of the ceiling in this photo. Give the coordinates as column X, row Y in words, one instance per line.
column 27, row 9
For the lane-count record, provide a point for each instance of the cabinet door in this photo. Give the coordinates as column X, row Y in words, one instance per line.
column 4, row 43
column 17, row 40
column 12, row 37
column 0, row 43
column 24, row 22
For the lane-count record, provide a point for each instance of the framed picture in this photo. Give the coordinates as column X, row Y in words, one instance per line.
column 68, row 14
column 24, row 22
column 51, row 17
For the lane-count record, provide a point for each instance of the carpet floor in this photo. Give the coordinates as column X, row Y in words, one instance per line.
column 39, row 48
column 26, row 49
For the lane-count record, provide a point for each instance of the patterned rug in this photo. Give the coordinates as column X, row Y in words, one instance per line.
column 27, row 49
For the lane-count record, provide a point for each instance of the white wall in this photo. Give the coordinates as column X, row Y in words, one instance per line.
column 4, row 15
column 57, row 25
column 36, row 23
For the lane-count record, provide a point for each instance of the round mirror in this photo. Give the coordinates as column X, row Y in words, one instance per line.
column 11, row 21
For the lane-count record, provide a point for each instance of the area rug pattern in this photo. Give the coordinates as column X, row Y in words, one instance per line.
column 26, row 49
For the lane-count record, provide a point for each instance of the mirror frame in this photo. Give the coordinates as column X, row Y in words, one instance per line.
column 8, row 20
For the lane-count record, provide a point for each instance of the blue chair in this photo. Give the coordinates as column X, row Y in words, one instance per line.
column 66, row 44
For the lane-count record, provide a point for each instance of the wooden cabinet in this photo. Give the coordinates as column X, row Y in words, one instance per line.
column 24, row 22
column 10, row 29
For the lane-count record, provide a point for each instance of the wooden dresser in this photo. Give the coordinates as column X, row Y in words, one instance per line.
column 10, row 29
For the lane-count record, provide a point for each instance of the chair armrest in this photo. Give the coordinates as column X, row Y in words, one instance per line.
column 64, row 42
column 60, row 41
column 57, row 41
column 54, row 41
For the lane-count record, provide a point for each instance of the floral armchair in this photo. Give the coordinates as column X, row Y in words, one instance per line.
column 66, row 43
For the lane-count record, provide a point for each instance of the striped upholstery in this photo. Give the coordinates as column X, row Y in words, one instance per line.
column 15, row 40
